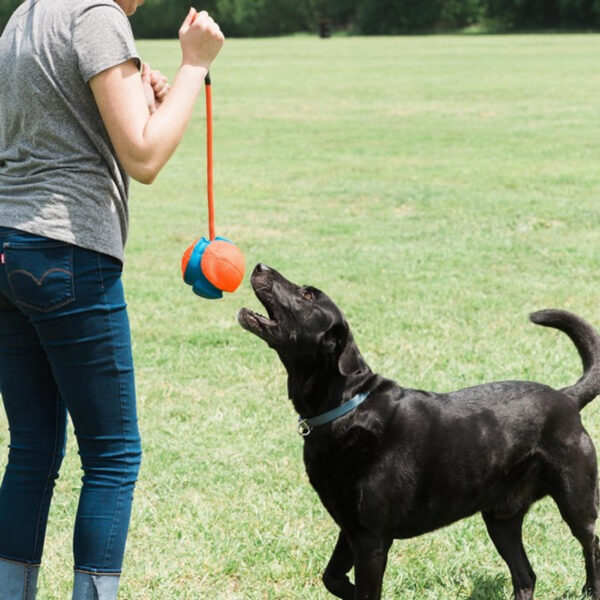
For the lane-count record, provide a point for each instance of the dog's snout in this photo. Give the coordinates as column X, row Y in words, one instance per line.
column 262, row 269
column 262, row 277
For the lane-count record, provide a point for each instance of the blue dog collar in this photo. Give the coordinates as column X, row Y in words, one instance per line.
column 305, row 426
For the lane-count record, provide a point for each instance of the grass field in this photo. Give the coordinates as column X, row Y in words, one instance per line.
column 438, row 189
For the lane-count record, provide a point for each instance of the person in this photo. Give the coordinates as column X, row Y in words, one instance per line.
column 79, row 115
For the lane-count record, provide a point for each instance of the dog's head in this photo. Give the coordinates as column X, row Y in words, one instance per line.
column 303, row 323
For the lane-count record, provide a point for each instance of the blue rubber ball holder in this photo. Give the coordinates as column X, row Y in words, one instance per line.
column 195, row 277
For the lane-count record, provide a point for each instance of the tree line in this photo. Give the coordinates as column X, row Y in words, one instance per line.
column 247, row 18
column 242, row 18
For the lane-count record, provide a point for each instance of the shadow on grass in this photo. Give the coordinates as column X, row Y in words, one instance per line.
column 500, row 588
column 490, row 588
column 572, row 595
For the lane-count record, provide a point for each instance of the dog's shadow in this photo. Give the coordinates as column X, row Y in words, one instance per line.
column 490, row 588
column 500, row 588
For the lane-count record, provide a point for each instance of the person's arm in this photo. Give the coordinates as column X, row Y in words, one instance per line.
column 144, row 142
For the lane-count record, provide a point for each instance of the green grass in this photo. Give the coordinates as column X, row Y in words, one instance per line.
column 439, row 189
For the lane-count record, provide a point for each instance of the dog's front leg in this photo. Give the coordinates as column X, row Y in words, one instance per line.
column 370, row 558
column 335, row 576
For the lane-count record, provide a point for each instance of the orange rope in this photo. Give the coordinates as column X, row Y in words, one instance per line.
column 209, row 159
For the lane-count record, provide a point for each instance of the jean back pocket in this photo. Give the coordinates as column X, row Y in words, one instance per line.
column 40, row 273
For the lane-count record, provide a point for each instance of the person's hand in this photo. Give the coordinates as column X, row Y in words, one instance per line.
column 156, row 87
column 200, row 38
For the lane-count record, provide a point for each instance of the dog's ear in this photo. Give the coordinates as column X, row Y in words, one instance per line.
column 339, row 343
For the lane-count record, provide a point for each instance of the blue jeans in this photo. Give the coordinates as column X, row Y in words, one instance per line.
column 65, row 348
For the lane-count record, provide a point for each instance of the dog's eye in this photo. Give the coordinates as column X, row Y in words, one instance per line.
column 307, row 294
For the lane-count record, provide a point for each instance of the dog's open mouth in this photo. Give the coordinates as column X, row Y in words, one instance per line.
column 264, row 327
column 253, row 321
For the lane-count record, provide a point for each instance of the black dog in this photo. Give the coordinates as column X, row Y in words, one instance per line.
column 390, row 462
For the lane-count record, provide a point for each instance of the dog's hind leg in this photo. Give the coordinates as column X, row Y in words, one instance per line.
column 335, row 576
column 507, row 537
column 575, row 492
column 582, row 522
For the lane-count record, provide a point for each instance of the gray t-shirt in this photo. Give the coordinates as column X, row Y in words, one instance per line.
column 59, row 174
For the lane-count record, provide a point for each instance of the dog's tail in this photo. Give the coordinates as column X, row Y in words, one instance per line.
column 587, row 342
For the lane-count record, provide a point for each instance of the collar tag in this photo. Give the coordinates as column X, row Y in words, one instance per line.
column 304, row 428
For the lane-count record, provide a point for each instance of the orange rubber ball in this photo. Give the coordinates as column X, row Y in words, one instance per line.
column 223, row 265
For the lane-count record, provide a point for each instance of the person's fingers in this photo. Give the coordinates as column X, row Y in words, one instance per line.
column 209, row 25
column 191, row 16
column 157, row 78
column 201, row 17
column 187, row 23
column 160, row 85
column 160, row 94
column 203, row 21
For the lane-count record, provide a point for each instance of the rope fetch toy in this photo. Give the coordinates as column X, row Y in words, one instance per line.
column 214, row 265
